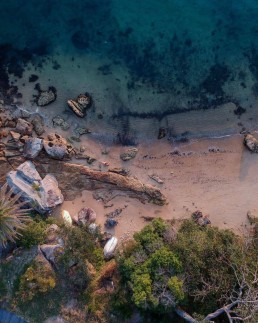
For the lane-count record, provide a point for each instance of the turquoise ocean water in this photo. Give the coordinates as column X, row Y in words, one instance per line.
column 147, row 63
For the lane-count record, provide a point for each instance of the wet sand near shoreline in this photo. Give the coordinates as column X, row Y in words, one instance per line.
column 217, row 176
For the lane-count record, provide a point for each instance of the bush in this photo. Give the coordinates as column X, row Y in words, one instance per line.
column 38, row 278
column 35, row 232
column 152, row 270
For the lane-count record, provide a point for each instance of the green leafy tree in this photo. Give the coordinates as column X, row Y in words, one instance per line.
column 153, row 271
column 13, row 218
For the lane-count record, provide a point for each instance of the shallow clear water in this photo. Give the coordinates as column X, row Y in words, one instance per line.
column 146, row 63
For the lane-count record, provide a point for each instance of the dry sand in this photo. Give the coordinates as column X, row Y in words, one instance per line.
column 217, row 176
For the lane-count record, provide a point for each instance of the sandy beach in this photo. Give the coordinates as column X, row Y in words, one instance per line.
column 216, row 176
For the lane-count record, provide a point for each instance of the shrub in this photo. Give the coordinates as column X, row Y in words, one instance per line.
column 39, row 278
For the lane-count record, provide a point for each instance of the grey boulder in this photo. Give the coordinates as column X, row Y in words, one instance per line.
column 41, row 194
column 32, row 147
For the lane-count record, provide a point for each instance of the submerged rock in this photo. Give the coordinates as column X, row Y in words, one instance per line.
column 251, row 143
column 80, row 104
column 45, row 97
column 60, row 122
column 129, row 154
column 162, row 133
column 42, row 194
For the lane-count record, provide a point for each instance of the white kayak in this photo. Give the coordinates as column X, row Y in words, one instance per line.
column 110, row 247
column 67, row 218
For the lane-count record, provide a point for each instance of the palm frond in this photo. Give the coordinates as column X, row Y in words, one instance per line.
column 13, row 218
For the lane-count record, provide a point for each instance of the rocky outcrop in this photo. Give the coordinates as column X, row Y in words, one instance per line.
column 73, row 179
column 251, row 143
column 42, row 194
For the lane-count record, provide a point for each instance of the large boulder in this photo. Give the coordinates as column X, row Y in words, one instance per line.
column 57, row 147
column 251, row 143
column 42, row 194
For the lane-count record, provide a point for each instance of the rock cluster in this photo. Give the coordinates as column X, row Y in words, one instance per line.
column 80, row 104
column 41, row 194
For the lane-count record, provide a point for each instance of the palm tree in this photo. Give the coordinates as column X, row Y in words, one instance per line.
column 12, row 217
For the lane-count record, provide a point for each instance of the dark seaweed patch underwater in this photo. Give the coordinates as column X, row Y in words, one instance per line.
column 199, row 53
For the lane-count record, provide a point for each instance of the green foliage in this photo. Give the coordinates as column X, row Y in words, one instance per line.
column 205, row 254
column 12, row 218
column 152, row 270
column 39, row 278
column 36, row 232
column 175, row 285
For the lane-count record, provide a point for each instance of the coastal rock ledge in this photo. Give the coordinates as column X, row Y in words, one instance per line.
column 73, row 179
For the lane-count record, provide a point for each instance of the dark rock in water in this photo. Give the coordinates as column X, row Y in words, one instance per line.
column 251, row 143
column 80, row 104
column 110, row 223
column 45, row 97
column 80, row 40
column 59, row 121
column 162, row 133
column 33, row 78
column 239, row 111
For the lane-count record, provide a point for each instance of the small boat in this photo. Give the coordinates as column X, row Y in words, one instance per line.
column 110, row 247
